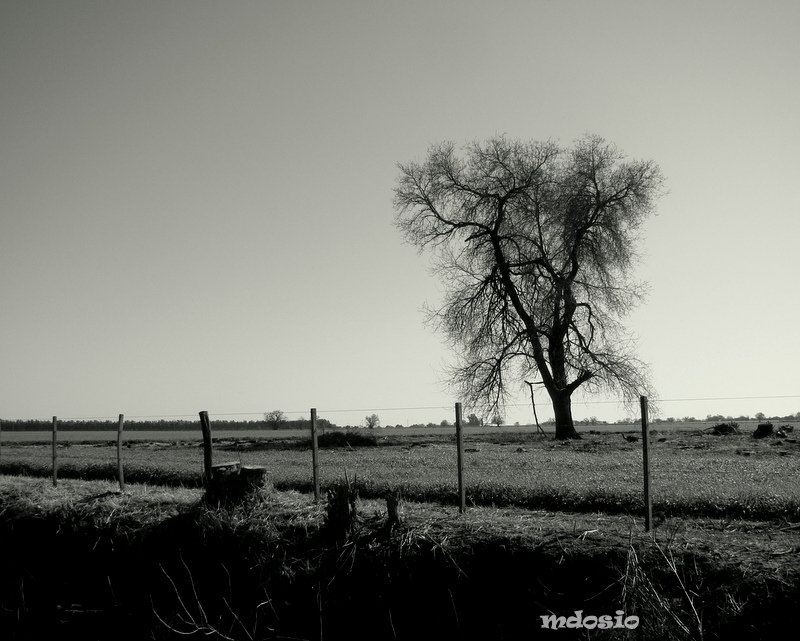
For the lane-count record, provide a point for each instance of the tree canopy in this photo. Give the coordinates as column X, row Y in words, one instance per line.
column 534, row 244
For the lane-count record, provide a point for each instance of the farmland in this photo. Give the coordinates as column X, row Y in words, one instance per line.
column 692, row 472
column 551, row 527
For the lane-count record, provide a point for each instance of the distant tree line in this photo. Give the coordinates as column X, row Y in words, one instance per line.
column 277, row 420
column 712, row 418
column 33, row 425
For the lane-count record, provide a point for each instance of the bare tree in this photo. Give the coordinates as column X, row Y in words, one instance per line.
column 274, row 419
column 372, row 421
column 535, row 245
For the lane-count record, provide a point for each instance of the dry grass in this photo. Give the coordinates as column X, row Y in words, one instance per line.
column 690, row 578
column 143, row 503
column 767, row 546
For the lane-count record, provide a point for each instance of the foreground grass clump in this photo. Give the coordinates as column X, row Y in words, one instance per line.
column 156, row 563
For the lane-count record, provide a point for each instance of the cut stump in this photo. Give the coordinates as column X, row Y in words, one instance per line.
column 763, row 430
column 233, row 483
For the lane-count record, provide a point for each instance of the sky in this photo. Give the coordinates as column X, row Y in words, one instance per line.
column 196, row 197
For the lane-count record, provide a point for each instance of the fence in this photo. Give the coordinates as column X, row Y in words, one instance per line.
column 209, row 467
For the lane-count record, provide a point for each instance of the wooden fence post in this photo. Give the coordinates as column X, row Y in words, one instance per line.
column 460, row 448
column 205, row 425
column 314, row 453
column 533, row 404
column 648, row 504
column 55, row 451
column 120, row 473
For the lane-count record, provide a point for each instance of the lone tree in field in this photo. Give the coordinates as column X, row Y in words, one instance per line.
column 534, row 244
column 274, row 419
column 372, row 421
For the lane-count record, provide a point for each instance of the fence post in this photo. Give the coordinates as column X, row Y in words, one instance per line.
column 205, row 425
column 648, row 504
column 460, row 448
column 55, row 451
column 314, row 453
column 533, row 404
column 120, row 473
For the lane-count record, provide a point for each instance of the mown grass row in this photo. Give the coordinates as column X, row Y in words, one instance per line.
column 493, row 493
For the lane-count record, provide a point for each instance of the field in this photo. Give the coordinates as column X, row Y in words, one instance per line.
column 692, row 472
column 551, row 528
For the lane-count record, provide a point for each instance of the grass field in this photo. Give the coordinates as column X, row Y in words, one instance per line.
column 692, row 473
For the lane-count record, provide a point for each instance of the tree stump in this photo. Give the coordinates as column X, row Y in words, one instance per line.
column 252, row 478
column 232, row 483
column 225, row 469
column 763, row 430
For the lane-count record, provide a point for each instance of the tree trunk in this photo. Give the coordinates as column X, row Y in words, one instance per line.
column 562, row 408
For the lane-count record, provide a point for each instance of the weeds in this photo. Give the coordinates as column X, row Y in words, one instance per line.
column 191, row 617
column 269, row 569
column 341, row 511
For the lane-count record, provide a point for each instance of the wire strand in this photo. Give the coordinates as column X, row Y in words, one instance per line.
column 413, row 408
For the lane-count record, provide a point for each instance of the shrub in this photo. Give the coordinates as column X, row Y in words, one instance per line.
column 732, row 427
column 347, row 439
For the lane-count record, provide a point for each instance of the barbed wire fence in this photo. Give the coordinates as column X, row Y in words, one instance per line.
column 541, row 402
column 208, row 473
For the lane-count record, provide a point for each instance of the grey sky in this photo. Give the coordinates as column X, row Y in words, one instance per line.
column 196, row 197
